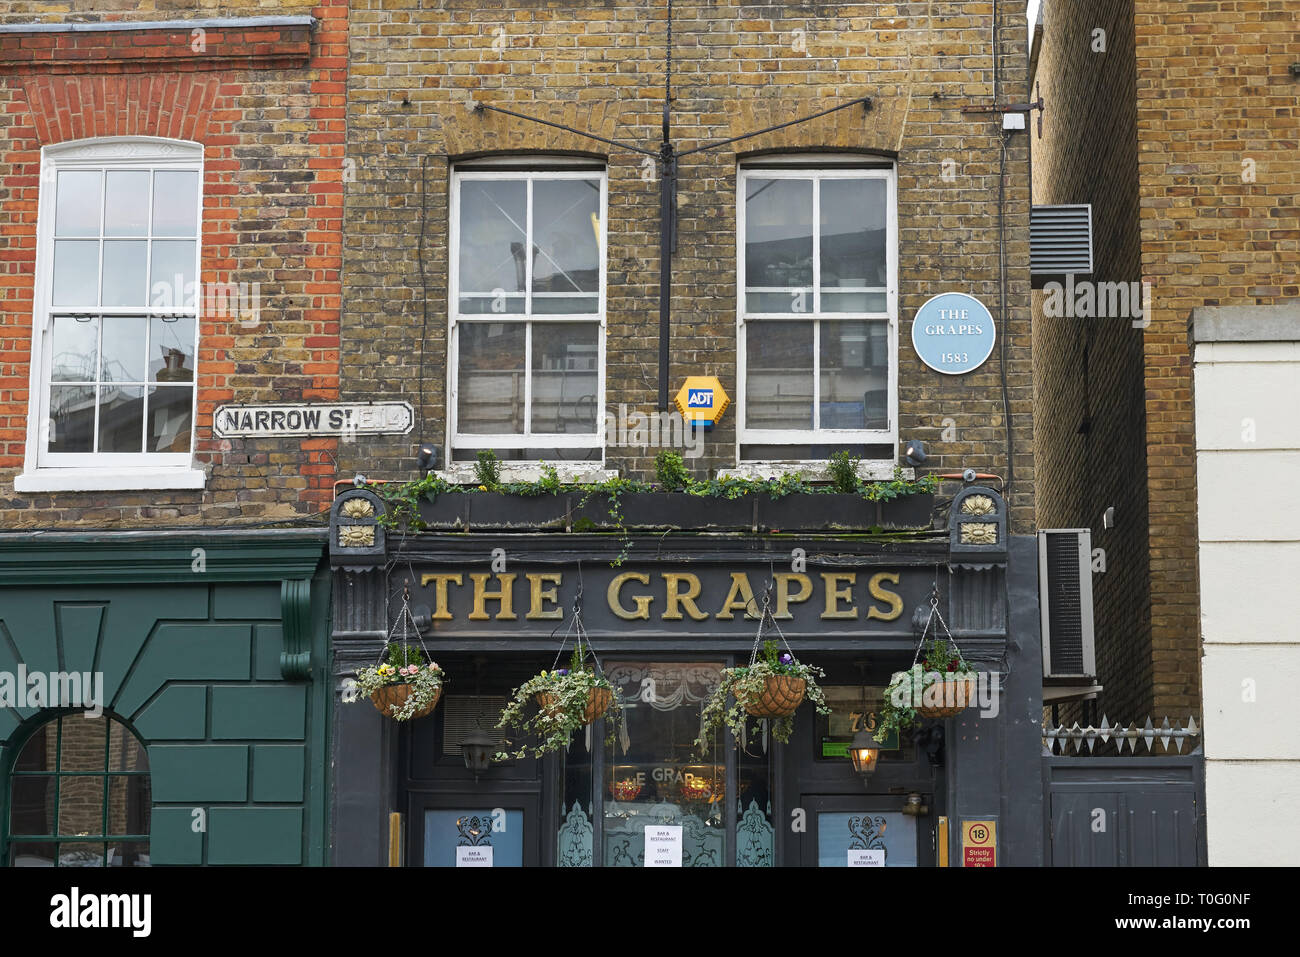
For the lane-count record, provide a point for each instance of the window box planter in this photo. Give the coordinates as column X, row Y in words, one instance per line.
column 836, row 511
column 907, row 511
column 504, row 512
column 669, row 510
column 816, row 512
column 448, row 512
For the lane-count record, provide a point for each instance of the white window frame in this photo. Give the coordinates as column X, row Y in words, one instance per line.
column 817, row 168
column 530, row 169
column 90, row 471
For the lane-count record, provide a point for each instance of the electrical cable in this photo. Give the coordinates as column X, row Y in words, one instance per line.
column 424, row 284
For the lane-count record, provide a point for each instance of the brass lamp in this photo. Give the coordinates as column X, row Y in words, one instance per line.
column 864, row 750
column 864, row 753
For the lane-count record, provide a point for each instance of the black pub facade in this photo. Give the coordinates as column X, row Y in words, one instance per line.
column 665, row 609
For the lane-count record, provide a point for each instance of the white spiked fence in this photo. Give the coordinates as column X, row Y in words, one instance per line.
column 1058, row 739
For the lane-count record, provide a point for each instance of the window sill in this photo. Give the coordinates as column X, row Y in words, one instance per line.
column 579, row 474
column 99, row 480
column 813, row 471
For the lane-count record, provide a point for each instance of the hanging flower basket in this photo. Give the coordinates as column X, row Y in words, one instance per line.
column 555, row 704
column 771, row 687
column 939, row 685
column 958, row 694
column 780, row 698
column 404, row 684
column 390, row 700
column 598, row 701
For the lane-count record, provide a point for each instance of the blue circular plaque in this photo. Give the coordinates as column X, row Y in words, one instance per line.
column 953, row 333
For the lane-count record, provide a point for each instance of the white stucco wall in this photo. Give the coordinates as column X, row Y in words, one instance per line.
column 1247, row 382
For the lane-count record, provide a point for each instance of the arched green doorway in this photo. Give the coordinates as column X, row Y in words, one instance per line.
column 78, row 795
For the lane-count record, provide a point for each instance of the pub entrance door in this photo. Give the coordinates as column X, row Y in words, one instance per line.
column 863, row 831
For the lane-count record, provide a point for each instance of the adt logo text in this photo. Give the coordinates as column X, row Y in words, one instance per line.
column 699, row 399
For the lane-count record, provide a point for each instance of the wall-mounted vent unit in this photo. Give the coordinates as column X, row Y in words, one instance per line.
column 1065, row 601
column 462, row 714
column 1060, row 243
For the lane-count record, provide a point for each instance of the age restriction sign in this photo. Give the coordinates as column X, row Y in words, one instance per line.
column 979, row 844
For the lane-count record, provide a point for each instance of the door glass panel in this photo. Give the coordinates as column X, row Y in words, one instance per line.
column 754, row 837
column 840, row 835
column 652, row 776
column 473, row 838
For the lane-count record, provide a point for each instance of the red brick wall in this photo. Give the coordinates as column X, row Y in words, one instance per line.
column 268, row 108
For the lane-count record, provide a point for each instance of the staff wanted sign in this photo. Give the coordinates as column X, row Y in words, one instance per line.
column 312, row 419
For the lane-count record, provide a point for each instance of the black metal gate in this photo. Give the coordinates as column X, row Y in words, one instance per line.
column 1124, row 811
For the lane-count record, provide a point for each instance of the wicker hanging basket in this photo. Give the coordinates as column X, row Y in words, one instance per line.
column 598, row 702
column 779, row 699
column 390, row 698
column 958, row 695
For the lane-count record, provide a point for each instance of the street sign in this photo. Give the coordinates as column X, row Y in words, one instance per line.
column 979, row 844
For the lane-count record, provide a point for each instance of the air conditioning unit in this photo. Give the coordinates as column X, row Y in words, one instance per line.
column 1065, row 602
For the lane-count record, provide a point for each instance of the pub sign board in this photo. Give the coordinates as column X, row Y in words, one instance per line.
column 695, row 600
column 307, row 419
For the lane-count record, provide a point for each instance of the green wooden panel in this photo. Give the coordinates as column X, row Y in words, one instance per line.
column 180, row 712
column 259, row 711
column 255, row 835
column 199, row 773
column 30, row 623
column 184, row 652
column 172, row 838
column 278, row 772
column 126, row 629
column 241, row 602
column 9, row 718
column 268, row 642
column 78, row 628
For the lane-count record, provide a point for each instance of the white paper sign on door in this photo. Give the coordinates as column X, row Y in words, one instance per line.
column 871, row 858
column 663, row 845
column 474, row 856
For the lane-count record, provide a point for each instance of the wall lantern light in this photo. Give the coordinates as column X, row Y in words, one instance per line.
column 477, row 747
column 427, row 459
column 914, row 453
column 864, row 750
column 864, row 753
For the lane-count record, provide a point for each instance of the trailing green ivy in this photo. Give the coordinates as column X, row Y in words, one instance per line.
column 403, row 500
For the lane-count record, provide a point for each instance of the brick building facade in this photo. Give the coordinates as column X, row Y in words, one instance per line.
column 1175, row 125
column 359, row 168
column 415, row 75
column 172, row 192
column 264, row 98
